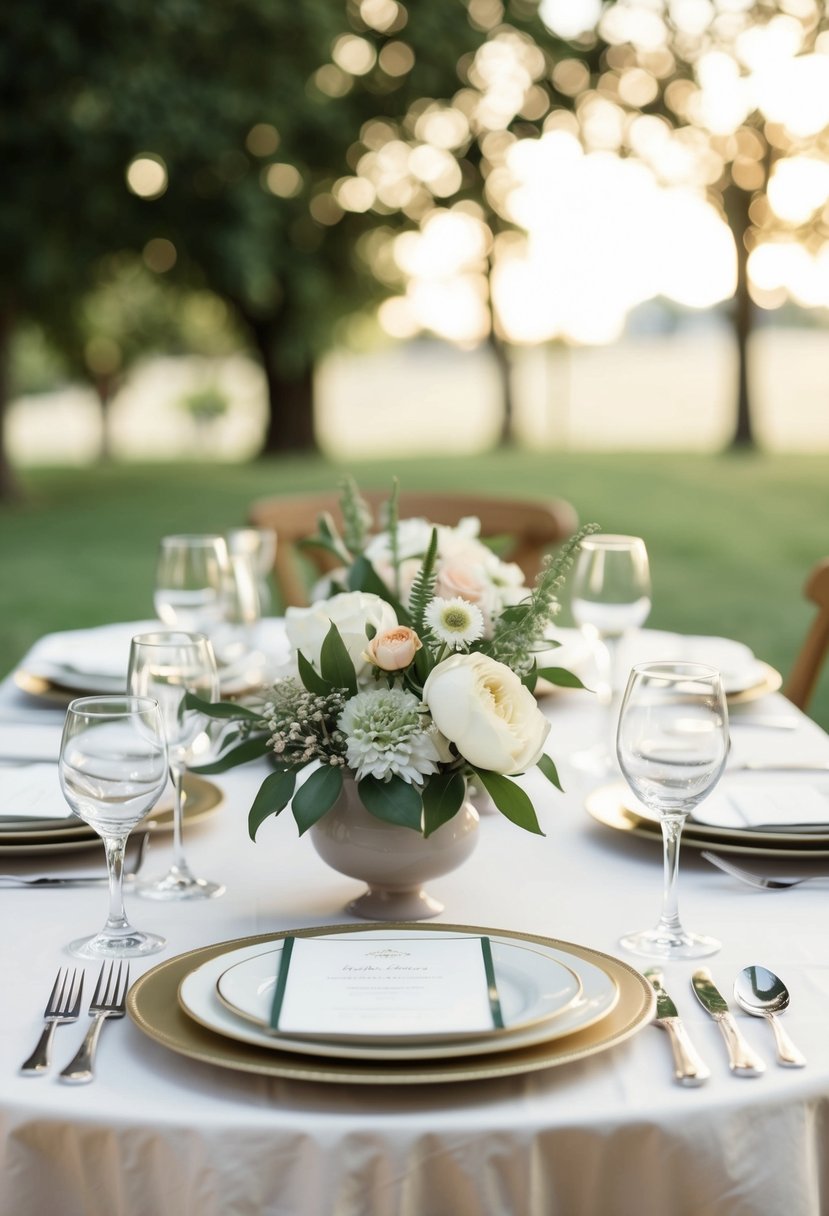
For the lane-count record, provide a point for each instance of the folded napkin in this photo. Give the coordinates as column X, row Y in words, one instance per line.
column 774, row 805
column 30, row 793
column 102, row 651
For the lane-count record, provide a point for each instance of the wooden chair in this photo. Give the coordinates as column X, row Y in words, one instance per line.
column 532, row 528
column 806, row 668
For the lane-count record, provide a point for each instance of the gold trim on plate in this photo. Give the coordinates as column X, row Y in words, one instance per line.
column 153, row 1006
column 771, row 682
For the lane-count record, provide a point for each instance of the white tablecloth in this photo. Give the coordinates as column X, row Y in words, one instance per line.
column 159, row 1134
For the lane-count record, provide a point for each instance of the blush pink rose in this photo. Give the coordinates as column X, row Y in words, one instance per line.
column 393, row 649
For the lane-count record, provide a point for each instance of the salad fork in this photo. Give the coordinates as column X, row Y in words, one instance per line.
column 63, row 1005
column 108, row 1001
column 760, row 880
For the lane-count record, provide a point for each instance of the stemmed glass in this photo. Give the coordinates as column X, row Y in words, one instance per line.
column 166, row 666
column 611, row 596
column 258, row 547
column 191, row 582
column 113, row 768
column 672, row 743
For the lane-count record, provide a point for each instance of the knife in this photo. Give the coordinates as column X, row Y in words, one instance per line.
column 689, row 1067
column 742, row 1059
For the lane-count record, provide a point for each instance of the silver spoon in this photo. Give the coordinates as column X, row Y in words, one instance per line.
column 759, row 992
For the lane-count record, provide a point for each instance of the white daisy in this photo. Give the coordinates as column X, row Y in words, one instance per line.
column 455, row 622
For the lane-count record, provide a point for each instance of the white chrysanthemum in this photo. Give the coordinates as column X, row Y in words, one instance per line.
column 388, row 734
column 455, row 622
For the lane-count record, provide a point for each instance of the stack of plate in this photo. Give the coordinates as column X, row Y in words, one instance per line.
column 560, row 1002
column 615, row 807
column 21, row 837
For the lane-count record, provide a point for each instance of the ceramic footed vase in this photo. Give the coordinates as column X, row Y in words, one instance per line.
column 394, row 862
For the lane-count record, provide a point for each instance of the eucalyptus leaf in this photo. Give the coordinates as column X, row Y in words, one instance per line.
column 395, row 801
column 310, row 677
column 317, row 796
column 252, row 749
column 560, row 676
column 336, row 665
column 510, row 800
column 550, row 771
column 274, row 795
column 443, row 796
column 219, row 709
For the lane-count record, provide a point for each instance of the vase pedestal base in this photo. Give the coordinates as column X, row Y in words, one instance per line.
column 384, row 903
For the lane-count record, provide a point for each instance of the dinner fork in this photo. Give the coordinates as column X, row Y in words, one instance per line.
column 108, row 1001
column 760, row 880
column 80, row 880
column 63, row 1005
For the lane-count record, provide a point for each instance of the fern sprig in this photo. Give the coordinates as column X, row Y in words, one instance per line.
column 423, row 587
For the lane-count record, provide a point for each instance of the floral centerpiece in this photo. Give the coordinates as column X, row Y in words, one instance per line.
column 415, row 671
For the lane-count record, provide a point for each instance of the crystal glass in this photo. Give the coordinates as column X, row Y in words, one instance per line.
column 167, row 666
column 672, row 744
column 191, row 583
column 611, row 596
column 258, row 547
column 113, row 769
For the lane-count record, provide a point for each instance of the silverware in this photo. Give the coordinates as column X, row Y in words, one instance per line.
column 765, row 766
column 689, row 1067
column 108, row 1001
column 762, row 881
column 761, row 993
column 79, row 880
column 742, row 1059
column 63, row 1005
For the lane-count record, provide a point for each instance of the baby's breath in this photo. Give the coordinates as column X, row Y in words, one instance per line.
column 303, row 725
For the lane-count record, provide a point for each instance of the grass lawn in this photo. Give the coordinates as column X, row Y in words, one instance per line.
column 731, row 538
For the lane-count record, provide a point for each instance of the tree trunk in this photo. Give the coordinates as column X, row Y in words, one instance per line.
column 743, row 317
column 10, row 489
column 290, row 425
column 503, row 363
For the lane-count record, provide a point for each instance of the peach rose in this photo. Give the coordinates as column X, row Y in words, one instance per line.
column 393, row 649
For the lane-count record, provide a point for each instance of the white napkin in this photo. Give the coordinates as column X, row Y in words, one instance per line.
column 102, row 651
column 777, row 805
column 31, row 792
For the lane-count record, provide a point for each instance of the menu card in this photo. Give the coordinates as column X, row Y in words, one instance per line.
column 778, row 805
column 336, row 987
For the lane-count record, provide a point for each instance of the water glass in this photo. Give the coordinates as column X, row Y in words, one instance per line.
column 167, row 665
column 672, row 744
column 257, row 546
column 113, row 769
column 193, row 575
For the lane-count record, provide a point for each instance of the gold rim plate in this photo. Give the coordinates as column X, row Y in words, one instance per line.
column 771, row 682
column 153, row 1007
column 607, row 806
column 203, row 799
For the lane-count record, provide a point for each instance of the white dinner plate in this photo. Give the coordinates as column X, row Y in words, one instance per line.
column 199, row 998
column 531, row 988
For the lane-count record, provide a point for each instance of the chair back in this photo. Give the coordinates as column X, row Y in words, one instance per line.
column 530, row 528
column 803, row 676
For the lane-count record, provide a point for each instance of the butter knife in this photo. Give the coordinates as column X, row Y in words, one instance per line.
column 742, row 1059
column 689, row 1067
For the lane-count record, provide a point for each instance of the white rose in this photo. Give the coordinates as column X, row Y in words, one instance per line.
column 482, row 707
column 350, row 611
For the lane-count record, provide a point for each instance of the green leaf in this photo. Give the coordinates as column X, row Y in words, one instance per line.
column 274, row 795
column 251, row 749
column 335, row 662
column 310, row 677
column 220, row 709
column 510, row 800
column 550, row 771
column 363, row 577
column 443, row 796
column 560, row 676
column 317, row 796
column 395, row 801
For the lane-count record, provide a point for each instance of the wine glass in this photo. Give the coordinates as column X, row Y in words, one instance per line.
column 258, row 547
column 672, row 743
column 611, row 596
column 168, row 665
column 113, row 768
column 191, row 582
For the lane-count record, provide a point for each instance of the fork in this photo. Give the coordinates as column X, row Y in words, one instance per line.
column 760, row 880
column 108, row 1001
column 63, row 1005
column 80, row 880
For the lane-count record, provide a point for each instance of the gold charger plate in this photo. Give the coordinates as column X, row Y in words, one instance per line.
column 52, row 692
column 607, row 806
column 153, row 1006
column 771, row 682
column 203, row 798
